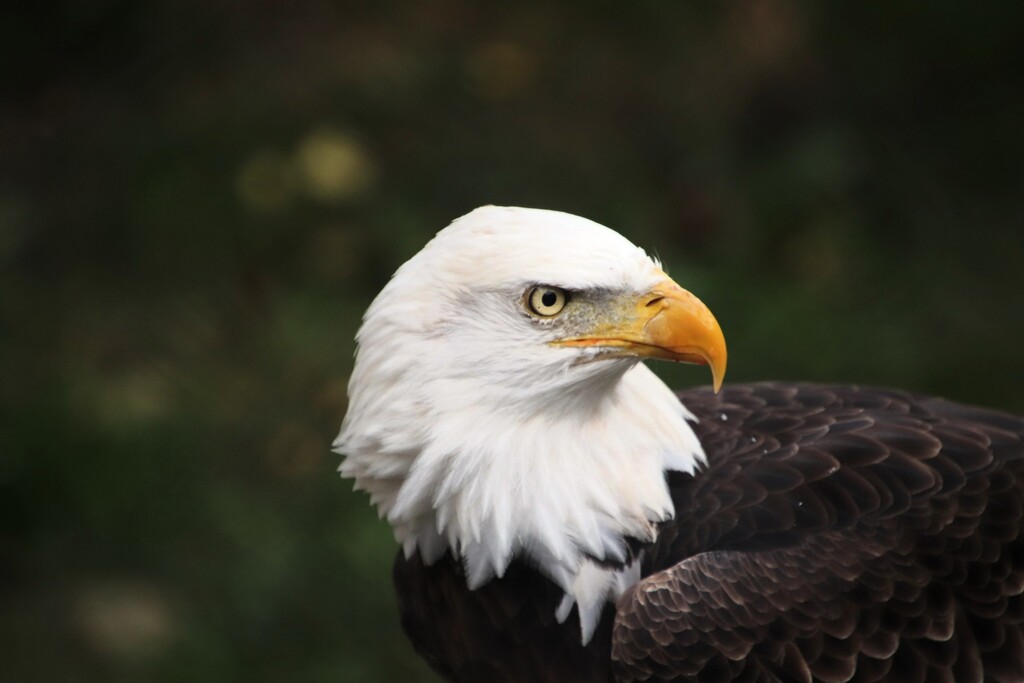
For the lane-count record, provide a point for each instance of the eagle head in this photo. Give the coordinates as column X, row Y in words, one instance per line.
column 499, row 409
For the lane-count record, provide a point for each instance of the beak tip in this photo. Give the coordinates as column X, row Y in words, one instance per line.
column 717, row 375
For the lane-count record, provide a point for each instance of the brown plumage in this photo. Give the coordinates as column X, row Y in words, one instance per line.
column 837, row 534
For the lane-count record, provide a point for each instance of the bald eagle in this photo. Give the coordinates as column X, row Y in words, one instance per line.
column 564, row 516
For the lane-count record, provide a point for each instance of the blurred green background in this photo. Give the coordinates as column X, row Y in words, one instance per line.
column 198, row 200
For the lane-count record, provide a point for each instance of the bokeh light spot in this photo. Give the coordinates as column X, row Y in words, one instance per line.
column 334, row 167
column 125, row 620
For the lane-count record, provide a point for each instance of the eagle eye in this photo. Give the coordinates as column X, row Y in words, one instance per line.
column 546, row 301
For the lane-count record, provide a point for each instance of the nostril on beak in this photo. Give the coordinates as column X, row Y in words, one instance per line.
column 655, row 300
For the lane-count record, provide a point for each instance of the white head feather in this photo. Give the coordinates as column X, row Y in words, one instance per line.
column 471, row 433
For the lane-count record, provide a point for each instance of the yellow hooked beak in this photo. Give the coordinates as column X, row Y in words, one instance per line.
column 667, row 323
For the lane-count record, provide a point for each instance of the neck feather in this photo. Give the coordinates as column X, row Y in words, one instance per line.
column 564, row 491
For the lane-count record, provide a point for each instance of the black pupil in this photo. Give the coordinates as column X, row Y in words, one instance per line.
column 548, row 298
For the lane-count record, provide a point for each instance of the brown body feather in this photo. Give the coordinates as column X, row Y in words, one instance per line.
column 837, row 534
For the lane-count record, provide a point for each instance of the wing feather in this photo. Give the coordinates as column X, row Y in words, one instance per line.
column 838, row 534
